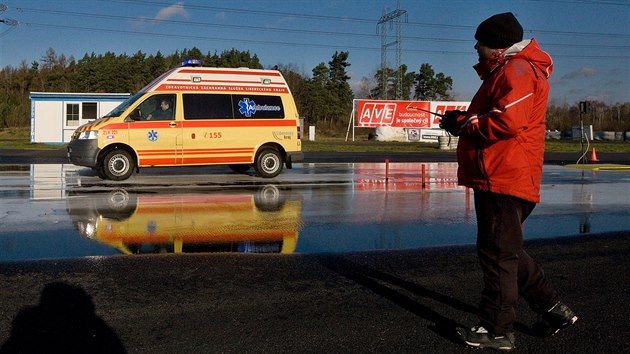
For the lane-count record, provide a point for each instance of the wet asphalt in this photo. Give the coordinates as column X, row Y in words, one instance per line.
column 408, row 301
column 15, row 156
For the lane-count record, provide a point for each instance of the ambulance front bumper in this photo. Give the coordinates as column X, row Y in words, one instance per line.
column 83, row 152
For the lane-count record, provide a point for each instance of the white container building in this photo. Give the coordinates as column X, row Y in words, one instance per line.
column 55, row 115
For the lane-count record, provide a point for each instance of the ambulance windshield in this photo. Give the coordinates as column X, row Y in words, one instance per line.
column 116, row 112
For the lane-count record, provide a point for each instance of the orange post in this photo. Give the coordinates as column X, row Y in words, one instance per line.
column 423, row 182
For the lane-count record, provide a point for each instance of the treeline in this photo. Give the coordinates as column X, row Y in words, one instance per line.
column 603, row 117
column 103, row 73
column 324, row 97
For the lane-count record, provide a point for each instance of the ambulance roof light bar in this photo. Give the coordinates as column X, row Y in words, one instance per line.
column 191, row 62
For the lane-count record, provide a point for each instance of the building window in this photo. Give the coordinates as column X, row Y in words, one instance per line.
column 72, row 114
column 89, row 111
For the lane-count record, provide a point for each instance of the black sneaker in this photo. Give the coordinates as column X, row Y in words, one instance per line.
column 559, row 316
column 479, row 337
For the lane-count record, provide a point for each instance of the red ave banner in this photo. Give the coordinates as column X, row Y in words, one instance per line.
column 402, row 114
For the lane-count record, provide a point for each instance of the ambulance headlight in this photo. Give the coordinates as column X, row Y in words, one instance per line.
column 88, row 135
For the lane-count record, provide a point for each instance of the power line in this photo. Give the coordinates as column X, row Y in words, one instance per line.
column 222, row 39
column 320, row 17
column 317, row 32
column 304, row 31
column 591, row 2
column 292, row 44
column 5, row 32
column 7, row 21
column 365, row 20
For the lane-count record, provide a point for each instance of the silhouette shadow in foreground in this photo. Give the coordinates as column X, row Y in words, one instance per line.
column 380, row 283
column 63, row 322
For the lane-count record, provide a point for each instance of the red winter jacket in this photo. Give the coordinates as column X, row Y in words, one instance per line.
column 502, row 135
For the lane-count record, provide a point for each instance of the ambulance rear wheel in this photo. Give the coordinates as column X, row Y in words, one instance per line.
column 268, row 163
column 118, row 165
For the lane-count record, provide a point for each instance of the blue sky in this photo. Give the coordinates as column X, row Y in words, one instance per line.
column 588, row 40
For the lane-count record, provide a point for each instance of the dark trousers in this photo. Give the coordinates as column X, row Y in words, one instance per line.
column 508, row 271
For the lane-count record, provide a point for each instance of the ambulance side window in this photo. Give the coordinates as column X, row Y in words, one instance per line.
column 158, row 107
column 257, row 106
column 207, row 106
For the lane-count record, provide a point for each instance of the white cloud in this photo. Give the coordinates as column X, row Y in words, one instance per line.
column 174, row 10
column 165, row 13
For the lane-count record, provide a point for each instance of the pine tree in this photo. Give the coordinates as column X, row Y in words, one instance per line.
column 432, row 87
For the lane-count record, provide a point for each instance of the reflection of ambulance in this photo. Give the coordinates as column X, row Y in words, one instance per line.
column 195, row 115
column 261, row 222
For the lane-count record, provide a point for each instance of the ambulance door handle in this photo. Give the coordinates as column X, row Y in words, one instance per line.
column 172, row 125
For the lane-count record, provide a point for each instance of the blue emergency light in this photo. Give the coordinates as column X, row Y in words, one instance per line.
column 191, row 62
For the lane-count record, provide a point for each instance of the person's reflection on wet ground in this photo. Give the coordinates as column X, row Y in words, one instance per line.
column 63, row 322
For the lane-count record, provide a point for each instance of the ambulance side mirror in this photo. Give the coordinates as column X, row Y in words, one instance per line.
column 135, row 115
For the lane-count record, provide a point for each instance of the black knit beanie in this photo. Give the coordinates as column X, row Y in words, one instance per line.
column 499, row 31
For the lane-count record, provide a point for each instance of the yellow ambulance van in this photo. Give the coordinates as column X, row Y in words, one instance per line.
column 194, row 115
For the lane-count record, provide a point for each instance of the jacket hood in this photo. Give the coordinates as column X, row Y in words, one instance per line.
column 530, row 51
column 526, row 50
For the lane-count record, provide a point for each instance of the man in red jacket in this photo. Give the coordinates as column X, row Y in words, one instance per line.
column 500, row 156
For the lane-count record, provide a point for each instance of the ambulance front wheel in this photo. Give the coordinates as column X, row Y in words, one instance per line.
column 268, row 163
column 118, row 165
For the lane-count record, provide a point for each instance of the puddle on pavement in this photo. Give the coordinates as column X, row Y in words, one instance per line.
column 263, row 220
column 63, row 214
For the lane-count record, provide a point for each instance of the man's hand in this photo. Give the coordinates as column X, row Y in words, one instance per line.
column 449, row 121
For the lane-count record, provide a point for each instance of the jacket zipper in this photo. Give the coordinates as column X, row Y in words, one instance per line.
column 481, row 165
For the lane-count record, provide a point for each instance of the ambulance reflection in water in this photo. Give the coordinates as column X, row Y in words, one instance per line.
column 265, row 220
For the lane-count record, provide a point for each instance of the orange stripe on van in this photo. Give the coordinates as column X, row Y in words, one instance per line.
column 143, row 125
column 222, row 160
column 161, row 209
column 142, row 153
column 210, row 123
column 198, row 236
column 217, row 160
column 163, row 151
column 115, row 126
column 220, row 88
column 157, row 161
column 206, row 200
column 171, row 153
column 217, row 151
column 254, row 82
